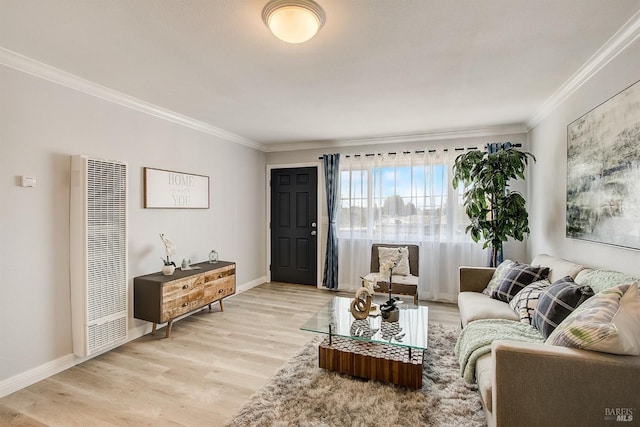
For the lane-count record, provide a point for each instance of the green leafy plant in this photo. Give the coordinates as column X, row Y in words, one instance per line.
column 496, row 212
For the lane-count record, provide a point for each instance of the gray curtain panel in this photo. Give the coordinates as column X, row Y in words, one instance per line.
column 331, row 176
column 494, row 147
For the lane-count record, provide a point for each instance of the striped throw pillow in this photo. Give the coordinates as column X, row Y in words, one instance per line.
column 526, row 301
column 607, row 322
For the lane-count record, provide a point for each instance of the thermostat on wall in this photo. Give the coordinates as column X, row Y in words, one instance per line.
column 28, row 181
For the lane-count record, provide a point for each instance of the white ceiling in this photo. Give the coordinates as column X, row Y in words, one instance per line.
column 377, row 68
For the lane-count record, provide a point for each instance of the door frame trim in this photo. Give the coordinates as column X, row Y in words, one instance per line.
column 320, row 219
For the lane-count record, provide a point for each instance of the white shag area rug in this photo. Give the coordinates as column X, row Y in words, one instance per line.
column 302, row 394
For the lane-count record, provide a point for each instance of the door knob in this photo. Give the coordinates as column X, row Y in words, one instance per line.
column 313, row 224
column 313, row 233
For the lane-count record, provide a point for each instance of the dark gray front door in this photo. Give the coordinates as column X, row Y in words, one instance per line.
column 294, row 206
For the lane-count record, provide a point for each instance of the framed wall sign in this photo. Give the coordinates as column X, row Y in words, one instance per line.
column 175, row 190
column 603, row 172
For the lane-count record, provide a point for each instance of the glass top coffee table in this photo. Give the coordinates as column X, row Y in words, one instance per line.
column 372, row 348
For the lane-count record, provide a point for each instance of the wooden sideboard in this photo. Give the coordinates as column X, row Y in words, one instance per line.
column 158, row 298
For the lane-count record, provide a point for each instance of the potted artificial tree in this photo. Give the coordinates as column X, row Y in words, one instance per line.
column 496, row 212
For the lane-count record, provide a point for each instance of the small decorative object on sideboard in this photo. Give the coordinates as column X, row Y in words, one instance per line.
column 168, row 270
column 186, row 265
column 213, row 257
column 169, row 266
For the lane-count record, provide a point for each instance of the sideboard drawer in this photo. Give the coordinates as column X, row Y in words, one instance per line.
column 178, row 307
column 181, row 297
column 219, row 288
column 220, row 273
column 180, row 288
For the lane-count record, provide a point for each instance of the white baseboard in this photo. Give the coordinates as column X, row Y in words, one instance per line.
column 252, row 284
column 36, row 374
column 44, row 371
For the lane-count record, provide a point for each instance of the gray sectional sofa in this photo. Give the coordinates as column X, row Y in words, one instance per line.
column 537, row 384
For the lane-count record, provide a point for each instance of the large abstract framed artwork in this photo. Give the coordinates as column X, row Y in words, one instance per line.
column 603, row 172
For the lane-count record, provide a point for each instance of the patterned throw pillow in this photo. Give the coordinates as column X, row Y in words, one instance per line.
column 497, row 275
column 525, row 301
column 399, row 255
column 607, row 322
column 600, row 280
column 557, row 302
column 516, row 278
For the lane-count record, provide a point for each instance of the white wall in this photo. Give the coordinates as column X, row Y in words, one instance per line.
column 548, row 183
column 41, row 125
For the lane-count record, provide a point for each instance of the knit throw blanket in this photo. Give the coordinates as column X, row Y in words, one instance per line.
column 476, row 338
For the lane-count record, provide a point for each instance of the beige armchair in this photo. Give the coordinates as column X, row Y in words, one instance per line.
column 400, row 285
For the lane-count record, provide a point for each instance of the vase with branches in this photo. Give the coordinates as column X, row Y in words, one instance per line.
column 496, row 212
column 389, row 309
column 169, row 249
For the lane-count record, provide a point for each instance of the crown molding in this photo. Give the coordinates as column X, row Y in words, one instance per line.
column 38, row 69
column 395, row 139
column 626, row 35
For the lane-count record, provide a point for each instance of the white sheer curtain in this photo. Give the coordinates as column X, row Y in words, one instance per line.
column 404, row 198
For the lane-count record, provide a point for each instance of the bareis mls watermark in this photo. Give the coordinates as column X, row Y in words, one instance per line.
column 618, row 414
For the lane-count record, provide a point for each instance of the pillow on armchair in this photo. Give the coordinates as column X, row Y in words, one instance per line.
column 401, row 255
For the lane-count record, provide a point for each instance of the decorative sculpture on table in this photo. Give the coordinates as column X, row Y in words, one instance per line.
column 361, row 304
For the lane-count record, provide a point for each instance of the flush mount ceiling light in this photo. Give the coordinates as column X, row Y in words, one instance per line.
column 293, row 21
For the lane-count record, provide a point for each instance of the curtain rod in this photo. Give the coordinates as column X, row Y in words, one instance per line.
column 422, row 151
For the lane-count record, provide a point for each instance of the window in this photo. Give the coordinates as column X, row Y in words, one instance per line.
column 399, row 200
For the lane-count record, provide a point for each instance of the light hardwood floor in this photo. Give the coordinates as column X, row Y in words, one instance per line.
column 211, row 365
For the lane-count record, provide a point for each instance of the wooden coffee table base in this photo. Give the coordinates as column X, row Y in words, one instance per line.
column 380, row 362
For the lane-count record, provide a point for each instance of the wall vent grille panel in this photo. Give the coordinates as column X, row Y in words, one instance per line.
column 105, row 334
column 99, row 254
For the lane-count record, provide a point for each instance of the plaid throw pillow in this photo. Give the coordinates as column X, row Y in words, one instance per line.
column 497, row 275
column 516, row 278
column 557, row 302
